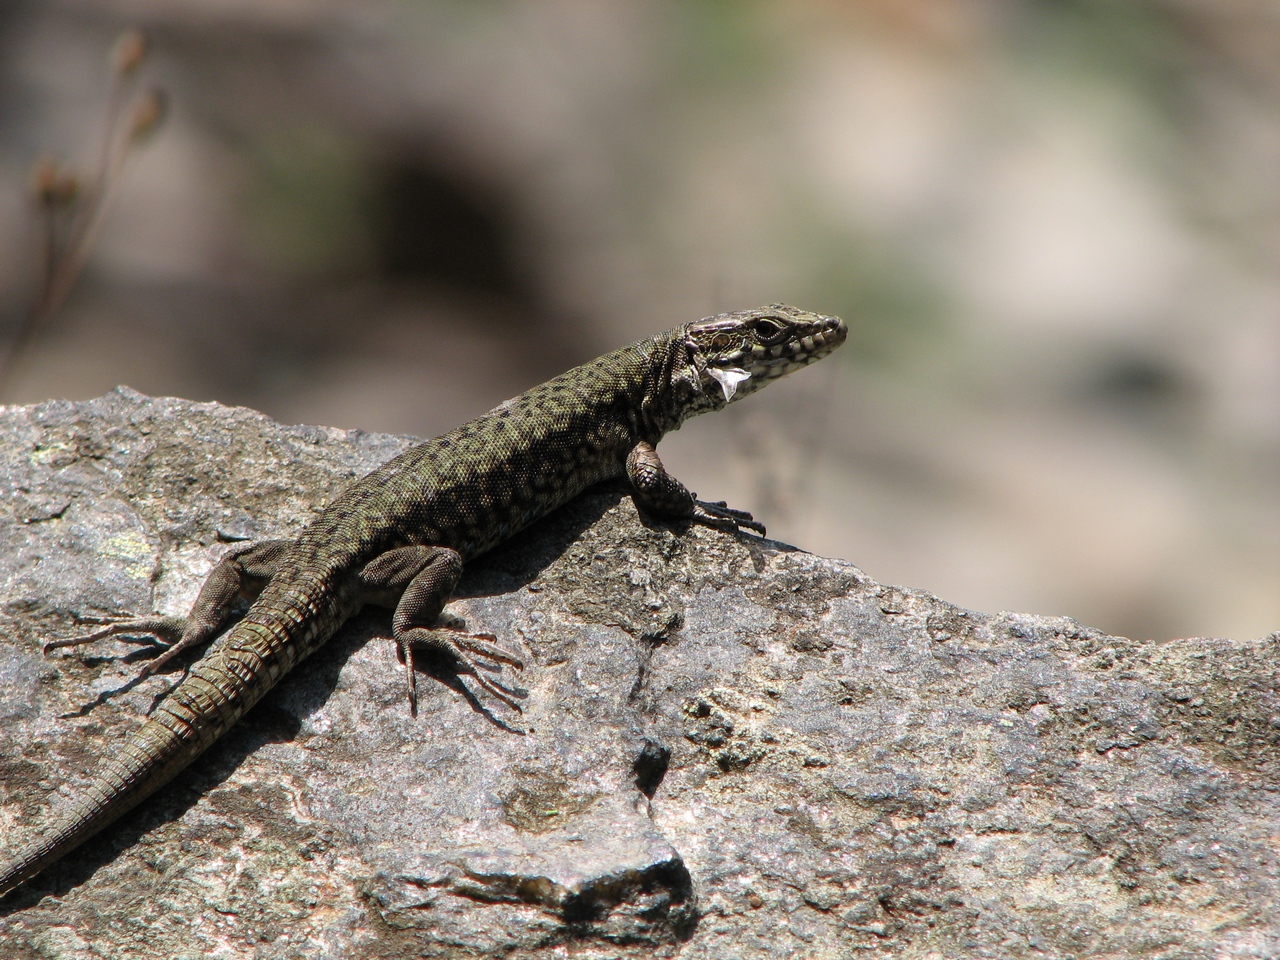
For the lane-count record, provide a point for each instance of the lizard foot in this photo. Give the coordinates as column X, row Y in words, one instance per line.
column 170, row 634
column 466, row 651
column 723, row 517
column 164, row 633
column 157, row 631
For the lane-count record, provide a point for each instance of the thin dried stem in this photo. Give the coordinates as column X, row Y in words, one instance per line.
column 72, row 215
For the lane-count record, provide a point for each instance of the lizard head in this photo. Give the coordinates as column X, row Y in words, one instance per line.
column 735, row 354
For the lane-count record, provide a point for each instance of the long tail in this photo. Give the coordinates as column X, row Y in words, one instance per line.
column 220, row 689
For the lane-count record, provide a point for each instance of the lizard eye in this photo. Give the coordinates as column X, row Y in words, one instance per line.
column 768, row 330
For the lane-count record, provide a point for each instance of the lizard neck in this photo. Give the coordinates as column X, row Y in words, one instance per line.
column 669, row 388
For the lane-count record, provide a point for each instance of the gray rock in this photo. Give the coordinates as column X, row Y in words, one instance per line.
column 730, row 747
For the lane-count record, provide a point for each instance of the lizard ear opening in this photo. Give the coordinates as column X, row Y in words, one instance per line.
column 728, row 380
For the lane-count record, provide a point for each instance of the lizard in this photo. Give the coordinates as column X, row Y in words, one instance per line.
column 400, row 536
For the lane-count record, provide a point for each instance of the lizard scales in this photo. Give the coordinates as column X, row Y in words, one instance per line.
column 399, row 536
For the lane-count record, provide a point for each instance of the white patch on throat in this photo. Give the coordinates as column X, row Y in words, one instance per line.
column 729, row 380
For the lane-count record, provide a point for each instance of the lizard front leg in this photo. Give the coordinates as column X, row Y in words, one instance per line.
column 666, row 496
column 423, row 578
column 242, row 573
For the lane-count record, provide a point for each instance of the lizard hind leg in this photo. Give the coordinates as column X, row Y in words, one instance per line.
column 242, row 572
column 423, row 578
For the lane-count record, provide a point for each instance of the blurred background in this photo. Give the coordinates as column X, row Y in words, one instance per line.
column 1054, row 227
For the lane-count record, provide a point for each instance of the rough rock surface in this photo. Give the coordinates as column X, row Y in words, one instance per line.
column 730, row 747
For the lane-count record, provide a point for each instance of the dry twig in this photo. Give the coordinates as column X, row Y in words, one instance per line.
column 71, row 207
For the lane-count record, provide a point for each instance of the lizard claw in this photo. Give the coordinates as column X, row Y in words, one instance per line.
column 720, row 515
column 485, row 645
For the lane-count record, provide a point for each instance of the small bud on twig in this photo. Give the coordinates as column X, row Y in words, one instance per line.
column 129, row 52
column 53, row 187
column 43, row 176
column 148, row 114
